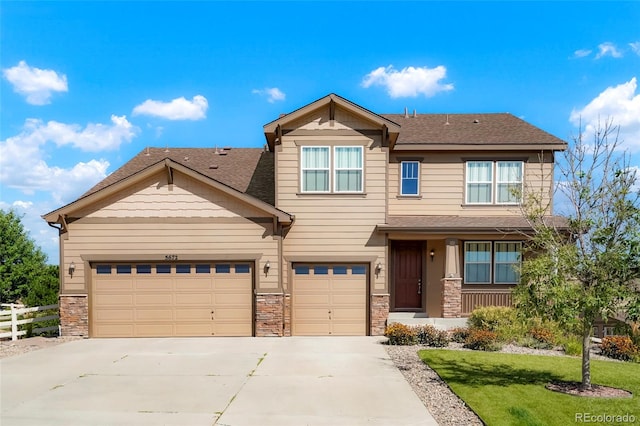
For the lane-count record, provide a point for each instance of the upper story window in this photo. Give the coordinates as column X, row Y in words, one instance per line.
column 487, row 262
column 484, row 176
column 409, row 178
column 344, row 174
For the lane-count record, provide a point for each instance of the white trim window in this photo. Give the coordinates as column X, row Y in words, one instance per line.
column 410, row 178
column 477, row 262
column 479, row 182
column 348, row 169
column 487, row 262
column 315, row 167
column 481, row 175
column 507, row 262
column 508, row 182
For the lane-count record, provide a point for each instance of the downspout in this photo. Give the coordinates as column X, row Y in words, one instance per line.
column 281, row 270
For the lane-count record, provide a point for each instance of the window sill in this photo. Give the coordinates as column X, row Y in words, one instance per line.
column 331, row 194
column 409, row 197
column 488, row 205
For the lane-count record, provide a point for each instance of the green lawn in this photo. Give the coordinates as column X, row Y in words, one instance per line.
column 509, row 389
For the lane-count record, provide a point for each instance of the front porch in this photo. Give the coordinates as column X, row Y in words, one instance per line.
column 421, row 318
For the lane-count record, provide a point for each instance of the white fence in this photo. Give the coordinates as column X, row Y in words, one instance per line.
column 16, row 311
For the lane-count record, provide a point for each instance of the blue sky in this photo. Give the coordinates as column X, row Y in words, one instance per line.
column 87, row 85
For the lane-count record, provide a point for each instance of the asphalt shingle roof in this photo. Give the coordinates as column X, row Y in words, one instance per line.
column 469, row 129
column 248, row 170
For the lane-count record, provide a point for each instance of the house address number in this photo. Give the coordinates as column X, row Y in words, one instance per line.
column 171, row 257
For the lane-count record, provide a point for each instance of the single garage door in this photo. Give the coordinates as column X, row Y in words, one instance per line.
column 329, row 300
column 171, row 299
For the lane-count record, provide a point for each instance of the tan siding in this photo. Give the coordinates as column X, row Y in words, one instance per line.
column 442, row 185
column 224, row 233
column 334, row 225
column 319, row 120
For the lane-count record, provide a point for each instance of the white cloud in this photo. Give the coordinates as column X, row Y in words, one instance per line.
column 408, row 82
column 94, row 137
column 620, row 104
column 35, row 83
column 635, row 46
column 177, row 109
column 581, row 53
column 23, row 164
column 608, row 49
column 272, row 93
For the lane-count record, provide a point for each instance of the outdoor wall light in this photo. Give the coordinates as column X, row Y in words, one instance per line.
column 432, row 253
column 378, row 268
column 267, row 266
column 72, row 269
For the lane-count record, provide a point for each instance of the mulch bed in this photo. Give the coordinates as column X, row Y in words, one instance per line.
column 596, row 391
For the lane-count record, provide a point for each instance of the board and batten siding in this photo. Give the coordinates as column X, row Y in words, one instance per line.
column 152, row 219
column 442, row 183
column 335, row 226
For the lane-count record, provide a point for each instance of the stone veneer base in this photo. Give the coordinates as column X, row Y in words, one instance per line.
column 379, row 313
column 74, row 315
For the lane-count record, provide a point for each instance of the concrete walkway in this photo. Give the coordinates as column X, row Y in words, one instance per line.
column 209, row 381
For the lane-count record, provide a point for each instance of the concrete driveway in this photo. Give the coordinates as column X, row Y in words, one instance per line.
column 209, row 381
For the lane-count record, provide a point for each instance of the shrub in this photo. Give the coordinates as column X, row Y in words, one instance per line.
column 572, row 345
column 482, row 340
column 400, row 334
column 459, row 334
column 430, row 336
column 543, row 337
column 501, row 320
column 619, row 347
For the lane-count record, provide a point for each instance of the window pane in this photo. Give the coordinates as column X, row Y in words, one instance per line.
column 315, row 157
column 358, row 270
column 348, row 157
column 223, row 268
column 479, row 171
column 242, row 269
column 183, row 269
column 320, row 270
column 507, row 262
column 143, row 269
column 509, row 181
column 477, row 262
column 348, row 180
column 103, row 269
column 479, row 181
column 123, row 269
column 315, row 180
column 339, row 270
column 203, row 269
column 410, row 172
column 163, row 269
column 301, row 270
column 315, row 168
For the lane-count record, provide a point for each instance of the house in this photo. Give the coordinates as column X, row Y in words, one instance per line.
column 345, row 216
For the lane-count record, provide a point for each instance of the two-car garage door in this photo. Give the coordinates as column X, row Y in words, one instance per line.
column 171, row 299
column 329, row 300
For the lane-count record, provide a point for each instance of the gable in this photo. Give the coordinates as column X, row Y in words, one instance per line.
column 154, row 197
column 320, row 119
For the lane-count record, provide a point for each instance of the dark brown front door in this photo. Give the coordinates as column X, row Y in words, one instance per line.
column 407, row 274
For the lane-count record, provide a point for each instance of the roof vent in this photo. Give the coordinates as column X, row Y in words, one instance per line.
column 447, row 122
column 476, row 121
column 227, row 148
column 222, row 152
column 282, row 115
column 186, row 158
column 414, row 114
column 213, row 166
column 147, row 152
column 406, row 112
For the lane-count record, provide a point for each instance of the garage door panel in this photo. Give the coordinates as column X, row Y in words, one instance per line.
column 312, row 329
column 153, row 330
column 357, row 313
column 154, row 301
column 153, row 285
column 114, row 285
column 114, row 314
column 349, row 328
column 154, row 314
column 311, row 299
column 194, row 299
column 115, row 300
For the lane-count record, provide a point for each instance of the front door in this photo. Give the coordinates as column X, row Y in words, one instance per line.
column 407, row 266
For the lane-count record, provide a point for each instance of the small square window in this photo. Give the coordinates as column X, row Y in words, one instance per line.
column 320, row 270
column 243, row 268
column 103, row 269
column 223, row 268
column 358, row 270
column 143, row 269
column 339, row 270
column 301, row 270
column 203, row 269
column 183, row 269
column 123, row 269
column 163, row 269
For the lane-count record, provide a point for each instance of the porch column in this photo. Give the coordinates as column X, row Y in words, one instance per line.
column 452, row 282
